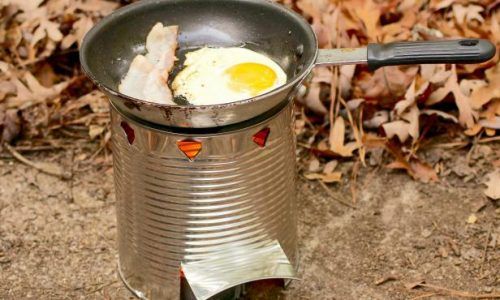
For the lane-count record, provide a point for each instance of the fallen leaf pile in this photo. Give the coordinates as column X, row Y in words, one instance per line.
column 346, row 113
column 351, row 112
column 43, row 94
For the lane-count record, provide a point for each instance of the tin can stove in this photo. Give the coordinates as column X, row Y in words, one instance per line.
column 220, row 207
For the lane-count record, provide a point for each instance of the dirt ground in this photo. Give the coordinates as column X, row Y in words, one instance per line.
column 404, row 239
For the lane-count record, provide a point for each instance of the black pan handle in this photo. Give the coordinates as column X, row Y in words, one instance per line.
column 463, row 51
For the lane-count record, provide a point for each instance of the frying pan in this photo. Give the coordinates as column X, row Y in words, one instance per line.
column 262, row 26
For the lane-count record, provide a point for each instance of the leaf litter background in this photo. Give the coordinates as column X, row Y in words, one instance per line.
column 347, row 117
column 347, row 113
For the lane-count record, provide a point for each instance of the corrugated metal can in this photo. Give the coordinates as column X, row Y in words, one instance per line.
column 184, row 198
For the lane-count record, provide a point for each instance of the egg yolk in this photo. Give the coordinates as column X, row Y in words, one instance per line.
column 252, row 78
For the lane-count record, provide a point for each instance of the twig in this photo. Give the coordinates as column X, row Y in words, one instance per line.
column 45, row 168
column 473, row 148
column 411, row 261
column 462, row 294
column 334, row 197
column 490, row 139
column 463, row 144
column 95, row 154
column 354, row 180
column 486, row 248
column 101, row 287
column 37, row 148
column 303, row 145
column 428, row 295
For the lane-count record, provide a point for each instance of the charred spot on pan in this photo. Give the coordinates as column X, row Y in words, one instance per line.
column 181, row 100
column 132, row 105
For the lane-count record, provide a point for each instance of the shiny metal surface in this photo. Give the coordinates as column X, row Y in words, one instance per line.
column 237, row 265
column 234, row 195
column 343, row 56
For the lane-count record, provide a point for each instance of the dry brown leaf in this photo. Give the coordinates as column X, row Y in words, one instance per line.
column 33, row 92
column 388, row 81
column 95, row 131
column 418, row 170
column 26, row 5
column 439, row 77
column 485, row 94
column 442, row 114
column 346, row 75
column 102, row 7
column 6, row 88
column 475, row 130
column 409, row 113
column 322, row 75
column 52, row 30
column 399, row 128
column 493, row 123
column 428, row 71
column 379, row 118
column 493, row 185
column 313, row 100
column 412, row 117
column 326, row 178
column 468, row 86
column 312, row 8
column 314, row 165
column 467, row 115
column 330, row 167
column 465, row 14
column 80, row 28
column 337, row 139
column 10, row 125
column 369, row 13
column 490, row 132
column 440, row 4
column 409, row 100
column 495, row 28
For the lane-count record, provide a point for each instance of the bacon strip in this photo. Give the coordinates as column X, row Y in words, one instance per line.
column 148, row 75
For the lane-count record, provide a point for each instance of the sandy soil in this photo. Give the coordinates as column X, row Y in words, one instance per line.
column 57, row 237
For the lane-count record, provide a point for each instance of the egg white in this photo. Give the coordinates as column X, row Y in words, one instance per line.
column 203, row 80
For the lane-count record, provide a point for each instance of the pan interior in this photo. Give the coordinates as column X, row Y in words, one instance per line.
column 258, row 25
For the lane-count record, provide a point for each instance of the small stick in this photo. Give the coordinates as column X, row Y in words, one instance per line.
column 98, row 289
column 334, row 197
column 473, row 148
column 51, row 171
column 462, row 294
column 486, row 247
column 354, row 179
column 37, row 148
column 428, row 295
column 464, row 144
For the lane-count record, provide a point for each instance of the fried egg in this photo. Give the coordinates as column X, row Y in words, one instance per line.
column 223, row 75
